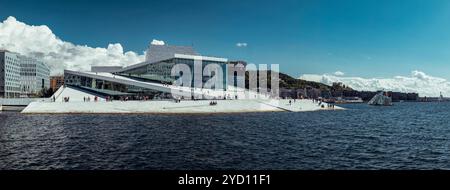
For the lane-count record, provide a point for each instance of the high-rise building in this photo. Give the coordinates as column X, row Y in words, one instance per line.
column 9, row 74
column 20, row 75
column 35, row 76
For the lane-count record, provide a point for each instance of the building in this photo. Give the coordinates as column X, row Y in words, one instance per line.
column 20, row 75
column 161, row 58
column 153, row 77
column 9, row 74
column 238, row 73
column 35, row 76
column 56, row 82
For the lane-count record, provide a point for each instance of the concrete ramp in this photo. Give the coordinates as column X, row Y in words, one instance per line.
column 74, row 95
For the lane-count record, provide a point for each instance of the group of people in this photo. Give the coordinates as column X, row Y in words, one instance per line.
column 109, row 98
column 66, row 99
column 213, row 103
column 88, row 99
column 319, row 103
column 126, row 98
column 329, row 105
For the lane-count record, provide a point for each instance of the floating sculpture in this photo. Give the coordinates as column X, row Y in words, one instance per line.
column 381, row 99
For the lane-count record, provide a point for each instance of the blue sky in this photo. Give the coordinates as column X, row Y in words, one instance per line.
column 360, row 37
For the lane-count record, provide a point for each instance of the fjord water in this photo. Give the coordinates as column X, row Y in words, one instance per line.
column 404, row 136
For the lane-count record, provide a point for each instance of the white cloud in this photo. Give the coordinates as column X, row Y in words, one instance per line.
column 157, row 42
column 241, row 44
column 40, row 42
column 418, row 81
column 339, row 73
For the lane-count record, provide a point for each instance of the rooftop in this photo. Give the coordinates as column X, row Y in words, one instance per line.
column 156, row 53
column 160, row 52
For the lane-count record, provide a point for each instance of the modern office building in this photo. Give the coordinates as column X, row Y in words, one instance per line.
column 9, row 74
column 35, row 76
column 152, row 77
column 56, row 82
column 20, row 75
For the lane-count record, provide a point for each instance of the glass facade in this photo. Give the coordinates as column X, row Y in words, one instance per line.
column 9, row 75
column 109, row 88
column 161, row 71
column 156, row 72
column 21, row 75
column 35, row 76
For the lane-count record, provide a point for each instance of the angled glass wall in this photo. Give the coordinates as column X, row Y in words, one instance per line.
column 109, row 88
column 161, row 71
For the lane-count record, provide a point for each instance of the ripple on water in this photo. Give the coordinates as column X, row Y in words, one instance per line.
column 404, row 136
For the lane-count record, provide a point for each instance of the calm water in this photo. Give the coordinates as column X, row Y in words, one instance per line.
column 405, row 136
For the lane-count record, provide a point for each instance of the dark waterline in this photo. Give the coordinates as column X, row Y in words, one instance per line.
column 404, row 136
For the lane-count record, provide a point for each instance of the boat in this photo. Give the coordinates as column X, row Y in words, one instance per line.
column 380, row 99
column 346, row 100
